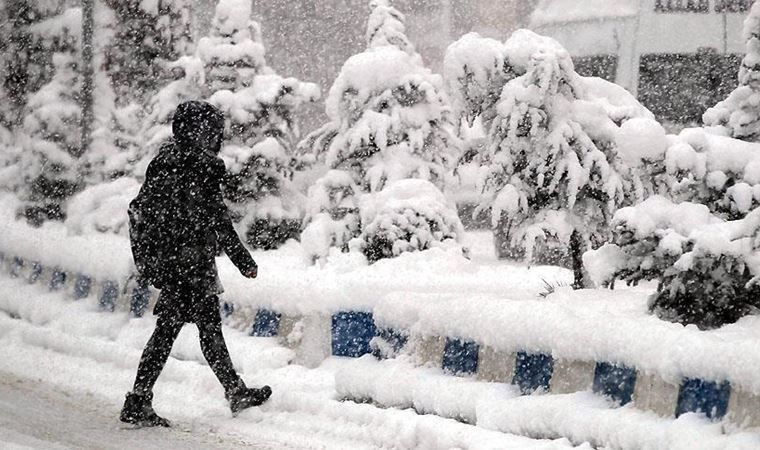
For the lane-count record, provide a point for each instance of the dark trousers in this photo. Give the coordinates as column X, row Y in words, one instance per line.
column 159, row 346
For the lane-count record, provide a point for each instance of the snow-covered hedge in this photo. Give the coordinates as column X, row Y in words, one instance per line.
column 408, row 215
column 706, row 267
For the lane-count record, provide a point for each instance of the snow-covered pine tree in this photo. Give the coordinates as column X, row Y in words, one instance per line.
column 30, row 46
column 52, row 141
column 476, row 70
column 739, row 115
column 187, row 84
column 261, row 107
column 145, row 32
column 389, row 119
column 553, row 174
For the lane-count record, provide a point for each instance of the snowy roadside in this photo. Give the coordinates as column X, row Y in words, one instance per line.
column 68, row 350
column 34, row 414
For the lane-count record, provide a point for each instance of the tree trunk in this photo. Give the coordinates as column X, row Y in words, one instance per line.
column 88, row 25
column 577, row 247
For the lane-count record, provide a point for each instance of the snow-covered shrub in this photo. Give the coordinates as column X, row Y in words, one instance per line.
column 554, row 174
column 648, row 239
column 719, row 172
column 716, row 282
column 102, row 208
column 408, row 215
column 332, row 215
column 389, row 117
column 739, row 115
column 260, row 107
column 706, row 267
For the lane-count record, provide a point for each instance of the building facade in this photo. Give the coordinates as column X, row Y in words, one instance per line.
column 679, row 57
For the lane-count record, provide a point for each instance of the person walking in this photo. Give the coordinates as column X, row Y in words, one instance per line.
column 178, row 222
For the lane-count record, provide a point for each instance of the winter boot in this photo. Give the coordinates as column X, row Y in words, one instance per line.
column 243, row 397
column 138, row 410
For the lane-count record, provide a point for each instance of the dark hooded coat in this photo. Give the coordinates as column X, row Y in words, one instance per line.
column 183, row 184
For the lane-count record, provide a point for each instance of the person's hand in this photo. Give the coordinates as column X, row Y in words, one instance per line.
column 253, row 273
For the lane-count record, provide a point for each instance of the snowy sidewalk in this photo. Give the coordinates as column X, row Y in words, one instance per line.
column 37, row 415
column 71, row 366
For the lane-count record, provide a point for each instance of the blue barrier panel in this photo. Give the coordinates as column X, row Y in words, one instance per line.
column 17, row 265
column 460, row 357
column 395, row 339
column 226, row 309
column 109, row 296
column 140, row 300
column 82, row 287
column 266, row 323
column 615, row 382
column 58, row 279
column 533, row 371
column 707, row 397
column 35, row 273
column 351, row 333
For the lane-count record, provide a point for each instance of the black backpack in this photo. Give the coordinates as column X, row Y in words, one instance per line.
column 145, row 238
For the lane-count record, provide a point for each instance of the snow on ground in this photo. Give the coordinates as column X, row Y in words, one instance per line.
column 64, row 369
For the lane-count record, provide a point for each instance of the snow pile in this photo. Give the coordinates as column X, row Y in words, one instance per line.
column 102, row 208
column 738, row 116
column 389, row 121
column 581, row 417
column 103, row 256
column 408, row 215
column 641, row 139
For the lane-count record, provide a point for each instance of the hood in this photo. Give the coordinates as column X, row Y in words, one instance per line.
column 198, row 127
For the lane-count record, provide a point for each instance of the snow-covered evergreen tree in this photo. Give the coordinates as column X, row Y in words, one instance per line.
column 52, row 142
column 739, row 115
column 553, row 173
column 389, row 117
column 35, row 33
column 260, row 106
column 476, row 70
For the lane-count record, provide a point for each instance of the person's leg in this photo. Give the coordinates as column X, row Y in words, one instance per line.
column 155, row 354
column 215, row 351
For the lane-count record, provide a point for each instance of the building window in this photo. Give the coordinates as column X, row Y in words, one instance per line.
column 733, row 6
column 676, row 6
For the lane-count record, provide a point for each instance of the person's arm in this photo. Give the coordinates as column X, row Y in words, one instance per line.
column 226, row 234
